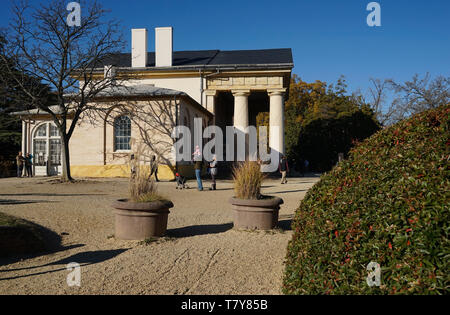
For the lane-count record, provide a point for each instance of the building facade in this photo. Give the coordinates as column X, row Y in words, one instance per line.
column 223, row 88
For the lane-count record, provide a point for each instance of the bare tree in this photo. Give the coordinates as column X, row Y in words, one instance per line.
column 410, row 97
column 377, row 100
column 377, row 96
column 418, row 95
column 155, row 120
column 40, row 44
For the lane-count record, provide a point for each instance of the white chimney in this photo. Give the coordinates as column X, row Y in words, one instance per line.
column 163, row 46
column 139, row 48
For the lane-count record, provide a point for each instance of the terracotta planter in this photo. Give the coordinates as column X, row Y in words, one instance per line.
column 256, row 214
column 139, row 221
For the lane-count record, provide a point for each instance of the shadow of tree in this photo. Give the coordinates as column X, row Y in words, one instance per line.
column 15, row 258
column 83, row 259
column 23, row 202
column 51, row 195
column 196, row 230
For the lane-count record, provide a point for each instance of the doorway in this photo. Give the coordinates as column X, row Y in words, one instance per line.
column 47, row 150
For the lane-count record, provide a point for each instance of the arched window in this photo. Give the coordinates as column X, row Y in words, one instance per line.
column 42, row 131
column 122, row 133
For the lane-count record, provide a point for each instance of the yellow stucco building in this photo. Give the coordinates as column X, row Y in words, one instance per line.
column 223, row 88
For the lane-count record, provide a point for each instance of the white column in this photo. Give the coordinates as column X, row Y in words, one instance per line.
column 276, row 141
column 24, row 137
column 241, row 109
column 211, row 102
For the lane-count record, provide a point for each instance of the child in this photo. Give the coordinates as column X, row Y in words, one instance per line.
column 181, row 181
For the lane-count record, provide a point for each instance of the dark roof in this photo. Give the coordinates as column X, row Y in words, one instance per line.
column 213, row 58
column 139, row 90
column 36, row 111
column 122, row 91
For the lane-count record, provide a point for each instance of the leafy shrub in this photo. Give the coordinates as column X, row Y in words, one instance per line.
column 248, row 179
column 388, row 203
column 321, row 140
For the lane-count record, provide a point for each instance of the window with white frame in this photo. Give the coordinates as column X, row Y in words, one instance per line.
column 47, row 145
column 122, row 133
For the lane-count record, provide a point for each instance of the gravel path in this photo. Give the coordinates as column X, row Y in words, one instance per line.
column 202, row 254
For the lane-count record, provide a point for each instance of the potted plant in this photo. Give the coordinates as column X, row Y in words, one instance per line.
column 145, row 213
column 251, row 210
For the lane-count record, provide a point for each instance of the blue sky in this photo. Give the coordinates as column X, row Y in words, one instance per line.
column 329, row 38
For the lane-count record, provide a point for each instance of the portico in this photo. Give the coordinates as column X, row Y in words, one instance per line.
column 274, row 87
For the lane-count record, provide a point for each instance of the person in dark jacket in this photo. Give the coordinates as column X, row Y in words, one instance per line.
column 29, row 165
column 284, row 169
column 154, row 167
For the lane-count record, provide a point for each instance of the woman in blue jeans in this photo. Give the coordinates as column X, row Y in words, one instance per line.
column 198, row 165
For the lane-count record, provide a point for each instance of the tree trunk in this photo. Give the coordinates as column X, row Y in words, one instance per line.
column 66, row 176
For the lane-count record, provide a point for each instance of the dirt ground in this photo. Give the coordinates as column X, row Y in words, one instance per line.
column 202, row 253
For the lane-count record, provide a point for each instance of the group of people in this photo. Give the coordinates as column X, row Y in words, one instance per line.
column 24, row 163
column 283, row 168
column 212, row 169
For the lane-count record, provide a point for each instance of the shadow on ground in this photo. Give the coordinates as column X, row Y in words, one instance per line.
column 83, row 259
column 52, row 195
column 22, row 202
column 285, row 225
column 14, row 247
column 285, row 222
column 287, row 191
column 196, row 230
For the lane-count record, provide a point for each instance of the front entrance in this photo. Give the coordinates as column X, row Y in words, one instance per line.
column 47, row 150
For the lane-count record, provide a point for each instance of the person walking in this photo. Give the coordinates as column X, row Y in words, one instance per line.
column 29, row 165
column 20, row 160
column 284, row 169
column 132, row 166
column 213, row 172
column 154, row 167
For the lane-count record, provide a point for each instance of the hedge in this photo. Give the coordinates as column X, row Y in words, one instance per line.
column 387, row 203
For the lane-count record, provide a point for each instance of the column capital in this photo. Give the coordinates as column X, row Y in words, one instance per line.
column 240, row 92
column 273, row 92
column 210, row 92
